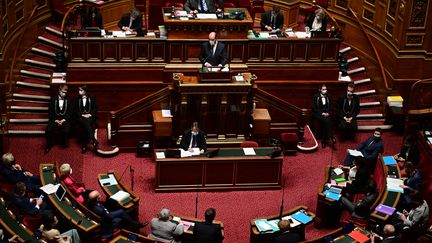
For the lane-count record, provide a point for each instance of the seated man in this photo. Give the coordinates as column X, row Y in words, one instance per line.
column 51, row 234
column 194, row 138
column 369, row 148
column 26, row 205
column 213, row 52
column 207, row 232
column 131, row 21
column 163, row 228
column 362, row 208
column 389, row 236
column 60, row 111
column 204, row 6
column 86, row 113
column 358, row 177
column 13, row 173
column 111, row 219
column 348, row 107
column 272, row 20
column 286, row 235
column 317, row 22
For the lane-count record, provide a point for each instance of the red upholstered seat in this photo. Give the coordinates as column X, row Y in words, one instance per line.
column 229, row 5
column 177, row 5
column 32, row 222
column 289, row 143
column 249, row 144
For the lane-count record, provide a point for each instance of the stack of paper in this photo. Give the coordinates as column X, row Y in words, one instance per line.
column 355, row 153
column 264, row 226
column 120, row 196
column 249, row 151
column 50, row 188
column 396, row 101
column 338, row 171
column 389, row 160
column 394, row 185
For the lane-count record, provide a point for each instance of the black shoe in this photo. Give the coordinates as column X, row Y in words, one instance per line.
column 333, row 139
column 84, row 149
column 323, row 144
column 47, row 149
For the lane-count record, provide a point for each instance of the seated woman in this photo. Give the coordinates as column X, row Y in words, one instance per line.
column 358, row 177
column 318, row 21
column 163, row 228
column 77, row 190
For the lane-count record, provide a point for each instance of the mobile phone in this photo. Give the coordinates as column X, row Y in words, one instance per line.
column 41, row 197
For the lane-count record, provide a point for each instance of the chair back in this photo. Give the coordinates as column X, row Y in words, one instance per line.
column 249, row 144
column 229, row 5
column 176, row 5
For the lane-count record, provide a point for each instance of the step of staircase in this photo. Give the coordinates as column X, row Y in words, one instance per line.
column 30, row 120
column 369, row 104
column 52, row 40
column 346, row 49
column 30, row 129
column 356, row 70
column 36, row 62
column 369, row 125
column 29, row 115
column 362, row 81
column 54, row 29
column 36, row 73
column 370, row 116
column 45, row 50
column 32, row 85
column 354, row 59
column 16, row 108
column 31, row 96
column 365, row 92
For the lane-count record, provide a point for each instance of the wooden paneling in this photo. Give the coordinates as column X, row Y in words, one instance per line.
column 94, row 52
column 110, row 51
column 126, row 52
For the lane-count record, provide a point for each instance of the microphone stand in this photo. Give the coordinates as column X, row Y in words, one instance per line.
column 282, row 202
column 124, row 171
column 196, row 200
column 132, row 175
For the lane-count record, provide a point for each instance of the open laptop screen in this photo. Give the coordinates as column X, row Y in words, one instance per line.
column 60, row 192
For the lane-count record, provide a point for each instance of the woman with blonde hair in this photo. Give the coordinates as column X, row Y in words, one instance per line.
column 77, row 189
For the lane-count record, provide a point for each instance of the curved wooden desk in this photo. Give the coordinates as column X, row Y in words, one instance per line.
column 257, row 237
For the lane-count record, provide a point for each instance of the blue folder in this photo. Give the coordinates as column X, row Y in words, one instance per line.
column 332, row 195
column 301, row 217
column 389, row 160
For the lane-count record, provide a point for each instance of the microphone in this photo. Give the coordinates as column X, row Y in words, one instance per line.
column 132, row 173
column 196, row 199
column 203, row 62
column 124, row 171
column 282, row 202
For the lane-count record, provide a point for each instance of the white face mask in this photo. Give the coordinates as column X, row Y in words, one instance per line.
column 324, row 92
column 350, row 94
column 62, row 94
column 194, row 133
column 317, row 17
column 212, row 42
column 81, row 92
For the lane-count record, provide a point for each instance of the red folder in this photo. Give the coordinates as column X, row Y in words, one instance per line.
column 356, row 235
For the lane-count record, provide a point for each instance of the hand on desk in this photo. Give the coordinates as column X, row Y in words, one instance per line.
column 125, row 28
column 201, row 151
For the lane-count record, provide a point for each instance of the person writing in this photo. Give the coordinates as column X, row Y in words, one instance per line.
column 131, row 21
column 194, row 138
column 204, row 6
column 272, row 20
column 213, row 53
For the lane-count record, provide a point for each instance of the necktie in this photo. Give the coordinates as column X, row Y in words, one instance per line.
column 193, row 141
column 273, row 21
column 203, row 5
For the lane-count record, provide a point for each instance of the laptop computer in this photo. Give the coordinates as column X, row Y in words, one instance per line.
column 60, row 193
column 172, row 153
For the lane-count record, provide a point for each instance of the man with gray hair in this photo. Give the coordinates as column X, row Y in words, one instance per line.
column 389, row 235
column 163, row 228
column 131, row 21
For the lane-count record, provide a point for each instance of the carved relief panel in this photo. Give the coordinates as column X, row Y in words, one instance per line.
column 419, row 13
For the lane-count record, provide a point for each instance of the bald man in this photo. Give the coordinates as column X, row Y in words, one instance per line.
column 213, row 52
column 389, row 235
column 111, row 219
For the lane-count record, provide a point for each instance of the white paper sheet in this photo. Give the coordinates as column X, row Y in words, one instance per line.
column 108, row 181
column 249, row 151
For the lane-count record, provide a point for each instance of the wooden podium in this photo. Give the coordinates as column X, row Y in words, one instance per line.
column 163, row 125
column 261, row 118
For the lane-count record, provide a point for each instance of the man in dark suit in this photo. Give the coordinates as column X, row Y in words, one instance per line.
column 272, row 20
column 26, row 205
column 111, row 219
column 389, row 235
column 361, row 209
column 409, row 152
column 204, row 6
column 348, row 107
column 131, row 21
column 286, row 236
column 213, row 52
column 60, row 111
column 207, row 232
column 93, row 18
column 13, row 173
column 86, row 111
column 321, row 112
column 369, row 148
column 194, row 138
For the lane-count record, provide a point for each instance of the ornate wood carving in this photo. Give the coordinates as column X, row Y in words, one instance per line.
column 414, row 40
column 368, row 15
column 392, row 7
column 419, row 13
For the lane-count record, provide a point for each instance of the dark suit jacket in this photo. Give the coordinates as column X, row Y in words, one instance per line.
column 88, row 19
column 219, row 57
column 55, row 113
column 361, row 179
column 363, row 206
column 12, row 176
column 344, row 109
column 391, row 240
column 207, row 233
column 186, row 140
column 89, row 108
column 311, row 20
column 318, row 107
column 287, row 237
column 371, row 151
column 266, row 20
column 136, row 24
column 212, row 5
column 23, row 204
column 413, row 154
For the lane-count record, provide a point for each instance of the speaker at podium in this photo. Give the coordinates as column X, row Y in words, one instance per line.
column 215, row 74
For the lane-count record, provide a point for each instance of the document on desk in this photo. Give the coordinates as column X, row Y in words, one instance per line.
column 355, row 153
column 50, row 188
column 186, row 153
column 206, row 16
column 338, row 171
column 293, row 222
column 188, row 225
column 393, row 185
column 302, row 217
column 303, row 34
column 263, row 226
column 264, row 35
column 117, row 33
column 160, row 155
column 166, row 113
column 120, row 196
column 111, row 180
column 249, row 151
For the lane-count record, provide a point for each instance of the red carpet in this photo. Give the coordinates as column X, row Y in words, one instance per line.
column 303, row 175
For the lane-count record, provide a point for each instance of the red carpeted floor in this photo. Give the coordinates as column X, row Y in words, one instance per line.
column 303, row 175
